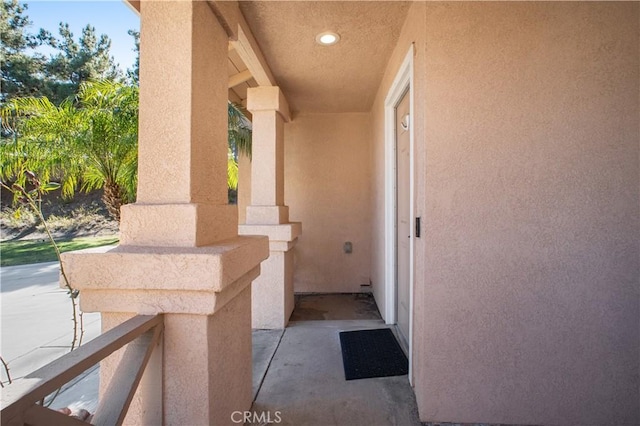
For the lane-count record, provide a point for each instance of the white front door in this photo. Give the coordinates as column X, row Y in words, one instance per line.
column 403, row 214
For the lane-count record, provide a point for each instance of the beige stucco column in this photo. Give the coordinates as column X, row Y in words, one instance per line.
column 180, row 253
column 272, row 297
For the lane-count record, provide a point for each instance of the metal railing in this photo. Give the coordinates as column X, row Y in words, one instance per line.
column 20, row 401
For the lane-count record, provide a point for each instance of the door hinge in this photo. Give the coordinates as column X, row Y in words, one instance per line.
column 417, row 227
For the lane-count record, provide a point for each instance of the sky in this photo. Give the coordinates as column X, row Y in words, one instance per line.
column 113, row 18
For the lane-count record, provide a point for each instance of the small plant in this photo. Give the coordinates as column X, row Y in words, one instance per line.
column 6, row 371
column 32, row 200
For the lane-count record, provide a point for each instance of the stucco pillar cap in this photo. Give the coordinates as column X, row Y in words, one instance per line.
column 268, row 98
column 198, row 280
column 283, row 232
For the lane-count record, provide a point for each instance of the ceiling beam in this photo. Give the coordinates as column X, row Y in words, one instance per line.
column 241, row 38
column 250, row 53
column 239, row 78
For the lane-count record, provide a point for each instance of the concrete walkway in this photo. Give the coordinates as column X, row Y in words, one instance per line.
column 36, row 328
column 305, row 383
column 297, row 372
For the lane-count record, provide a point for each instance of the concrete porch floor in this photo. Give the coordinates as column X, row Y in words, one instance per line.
column 299, row 377
column 297, row 372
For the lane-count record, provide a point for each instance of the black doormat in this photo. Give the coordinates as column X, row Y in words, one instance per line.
column 372, row 353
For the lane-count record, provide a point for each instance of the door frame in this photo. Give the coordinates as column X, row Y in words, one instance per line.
column 402, row 81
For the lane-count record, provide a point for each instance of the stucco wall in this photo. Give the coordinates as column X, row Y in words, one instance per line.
column 327, row 173
column 528, row 306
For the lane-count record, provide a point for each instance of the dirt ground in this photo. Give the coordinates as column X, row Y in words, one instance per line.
column 84, row 215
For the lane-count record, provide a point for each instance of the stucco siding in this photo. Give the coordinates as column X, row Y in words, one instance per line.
column 527, row 299
column 327, row 173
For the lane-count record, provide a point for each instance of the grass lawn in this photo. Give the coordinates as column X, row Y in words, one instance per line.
column 24, row 252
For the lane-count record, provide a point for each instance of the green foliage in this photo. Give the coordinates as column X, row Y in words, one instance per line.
column 65, row 117
column 134, row 73
column 91, row 142
column 26, row 73
column 239, row 139
column 239, row 130
column 40, row 143
column 77, row 62
column 21, row 72
column 87, row 144
column 232, row 171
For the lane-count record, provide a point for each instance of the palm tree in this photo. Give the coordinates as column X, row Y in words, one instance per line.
column 89, row 142
column 239, row 139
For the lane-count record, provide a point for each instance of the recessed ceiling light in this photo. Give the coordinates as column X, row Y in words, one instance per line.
column 327, row 38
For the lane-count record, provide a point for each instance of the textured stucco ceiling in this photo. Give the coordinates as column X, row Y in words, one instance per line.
column 339, row 78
